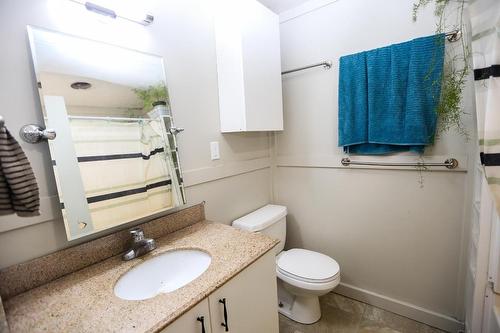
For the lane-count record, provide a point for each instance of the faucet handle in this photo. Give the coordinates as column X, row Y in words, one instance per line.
column 137, row 234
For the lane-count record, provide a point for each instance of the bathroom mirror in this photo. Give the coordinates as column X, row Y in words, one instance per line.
column 115, row 155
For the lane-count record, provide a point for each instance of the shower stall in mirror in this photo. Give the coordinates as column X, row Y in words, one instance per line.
column 115, row 155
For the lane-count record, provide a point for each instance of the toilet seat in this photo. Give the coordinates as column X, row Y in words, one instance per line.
column 307, row 266
column 303, row 279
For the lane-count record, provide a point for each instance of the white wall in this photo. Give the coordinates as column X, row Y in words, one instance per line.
column 391, row 237
column 183, row 34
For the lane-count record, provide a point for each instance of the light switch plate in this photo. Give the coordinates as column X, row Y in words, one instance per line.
column 214, row 150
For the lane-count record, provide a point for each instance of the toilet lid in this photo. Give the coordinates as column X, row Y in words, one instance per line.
column 307, row 264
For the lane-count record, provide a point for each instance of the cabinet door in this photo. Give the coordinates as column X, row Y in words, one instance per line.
column 247, row 41
column 190, row 322
column 250, row 299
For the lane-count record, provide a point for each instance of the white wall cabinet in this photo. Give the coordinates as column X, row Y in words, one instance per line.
column 250, row 301
column 247, row 43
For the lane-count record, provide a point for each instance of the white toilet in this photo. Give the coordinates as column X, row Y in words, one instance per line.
column 303, row 275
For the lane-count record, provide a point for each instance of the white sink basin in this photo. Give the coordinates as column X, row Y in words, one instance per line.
column 162, row 274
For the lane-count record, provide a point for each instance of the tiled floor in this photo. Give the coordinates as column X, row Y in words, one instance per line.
column 344, row 315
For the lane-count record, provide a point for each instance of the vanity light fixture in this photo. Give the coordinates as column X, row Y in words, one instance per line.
column 110, row 13
column 147, row 20
column 100, row 10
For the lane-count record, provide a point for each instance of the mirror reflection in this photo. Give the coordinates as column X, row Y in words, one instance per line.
column 115, row 153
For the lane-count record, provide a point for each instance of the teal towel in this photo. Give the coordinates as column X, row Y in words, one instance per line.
column 388, row 97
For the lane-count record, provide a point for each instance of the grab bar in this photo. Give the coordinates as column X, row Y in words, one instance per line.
column 450, row 163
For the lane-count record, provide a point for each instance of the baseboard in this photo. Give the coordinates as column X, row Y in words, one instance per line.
column 411, row 311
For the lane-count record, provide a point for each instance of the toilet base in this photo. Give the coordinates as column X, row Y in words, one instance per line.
column 302, row 309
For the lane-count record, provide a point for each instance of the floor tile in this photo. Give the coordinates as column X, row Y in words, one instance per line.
column 343, row 303
column 379, row 320
column 428, row 329
column 332, row 320
column 319, row 327
column 344, row 315
column 373, row 327
column 369, row 326
column 287, row 326
column 385, row 320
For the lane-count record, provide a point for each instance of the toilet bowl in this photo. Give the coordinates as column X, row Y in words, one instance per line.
column 303, row 275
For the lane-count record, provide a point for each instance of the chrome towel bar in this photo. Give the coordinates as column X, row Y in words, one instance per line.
column 324, row 64
column 451, row 36
column 450, row 163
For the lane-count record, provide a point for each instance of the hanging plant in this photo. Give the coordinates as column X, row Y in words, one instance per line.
column 456, row 68
column 152, row 94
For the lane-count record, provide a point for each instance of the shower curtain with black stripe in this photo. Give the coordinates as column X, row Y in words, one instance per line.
column 486, row 59
column 124, row 169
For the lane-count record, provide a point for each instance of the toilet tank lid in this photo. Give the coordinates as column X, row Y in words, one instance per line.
column 261, row 218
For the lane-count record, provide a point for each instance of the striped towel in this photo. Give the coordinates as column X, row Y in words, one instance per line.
column 18, row 187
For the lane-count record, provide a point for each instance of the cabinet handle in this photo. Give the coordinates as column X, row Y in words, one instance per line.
column 224, row 324
column 202, row 320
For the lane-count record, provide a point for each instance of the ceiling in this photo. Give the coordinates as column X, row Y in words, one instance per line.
column 279, row 6
column 67, row 55
column 102, row 94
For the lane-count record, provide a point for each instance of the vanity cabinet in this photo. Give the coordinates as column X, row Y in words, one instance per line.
column 249, row 300
column 196, row 320
column 247, row 43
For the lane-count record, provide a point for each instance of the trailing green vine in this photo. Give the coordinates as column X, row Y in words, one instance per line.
column 456, row 68
column 438, row 11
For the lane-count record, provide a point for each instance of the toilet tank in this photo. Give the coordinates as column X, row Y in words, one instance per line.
column 269, row 220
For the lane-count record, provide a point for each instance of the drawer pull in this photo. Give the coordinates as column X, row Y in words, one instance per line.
column 224, row 324
column 202, row 320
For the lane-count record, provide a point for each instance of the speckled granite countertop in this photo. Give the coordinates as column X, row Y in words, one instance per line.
column 84, row 301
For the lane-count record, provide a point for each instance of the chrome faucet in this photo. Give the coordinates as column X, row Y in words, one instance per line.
column 139, row 245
